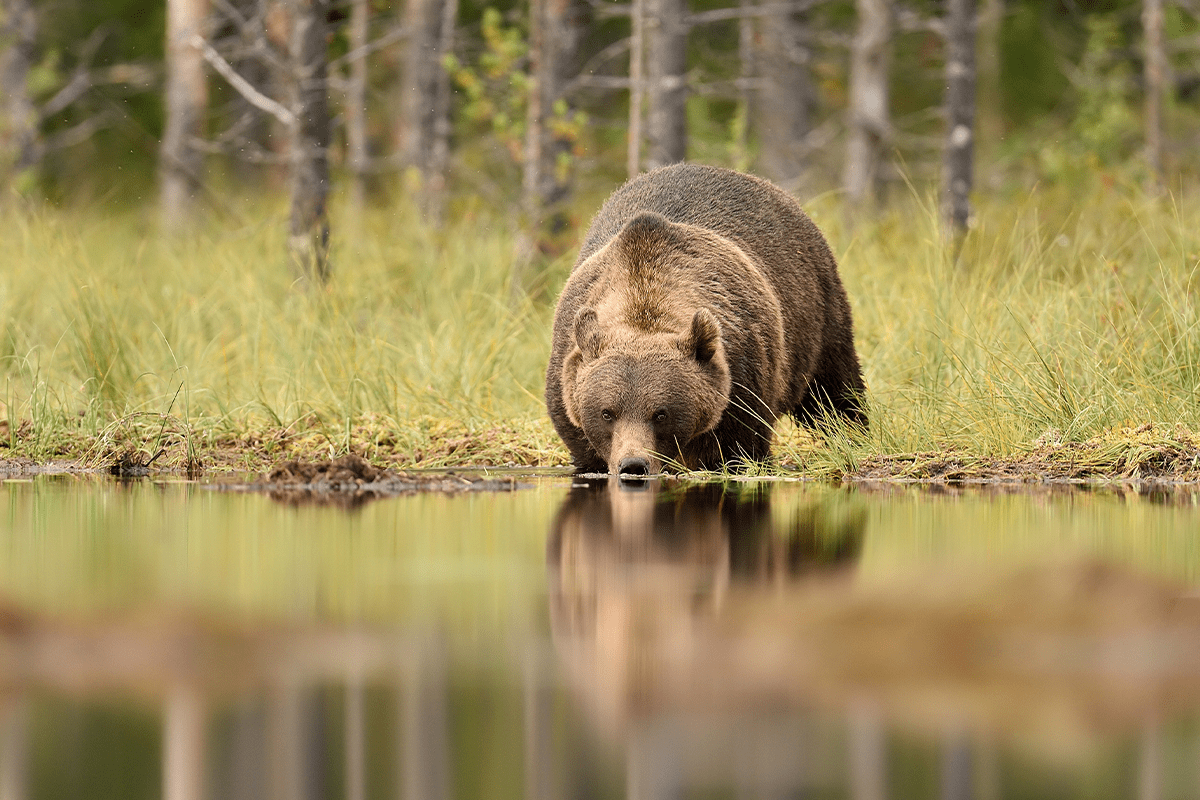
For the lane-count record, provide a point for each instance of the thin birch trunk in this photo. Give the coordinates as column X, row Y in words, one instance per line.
column 356, row 104
column 1155, row 81
column 783, row 113
column 748, row 69
column 561, row 31
column 425, row 104
column 637, row 81
column 870, row 122
column 531, row 157
column 958, row 155
column 417, row 101
column 309, row 241
column 20, row 148
column 668, row 82
column 989, row 111
column 440, row 150
column 186, row 100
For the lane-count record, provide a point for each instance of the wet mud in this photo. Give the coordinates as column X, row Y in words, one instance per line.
column 351, row 480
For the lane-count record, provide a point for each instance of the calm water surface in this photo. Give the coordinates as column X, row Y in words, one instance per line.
column 752, row 640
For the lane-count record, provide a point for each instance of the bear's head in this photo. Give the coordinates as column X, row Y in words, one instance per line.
column 641, row 397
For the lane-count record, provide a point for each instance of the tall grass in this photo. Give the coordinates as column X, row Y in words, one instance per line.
column 104, row 319
column 1063, row 315
column 1069, row 311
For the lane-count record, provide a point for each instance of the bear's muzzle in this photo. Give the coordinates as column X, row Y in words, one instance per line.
column 632, row 450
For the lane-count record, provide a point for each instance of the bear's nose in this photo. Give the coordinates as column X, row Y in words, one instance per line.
column 634, row 465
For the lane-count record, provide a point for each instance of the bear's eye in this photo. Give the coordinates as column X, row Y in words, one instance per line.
column 660, row 416
column 607, row 415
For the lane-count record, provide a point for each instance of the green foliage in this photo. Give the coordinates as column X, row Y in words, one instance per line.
column 1034, row 45
column 1105, row 129
column 496, row 91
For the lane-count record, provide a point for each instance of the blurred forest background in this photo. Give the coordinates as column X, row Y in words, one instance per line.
column 453, row 102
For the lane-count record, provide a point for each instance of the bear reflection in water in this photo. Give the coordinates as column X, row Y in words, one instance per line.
column 637, row 578
column 641, row 571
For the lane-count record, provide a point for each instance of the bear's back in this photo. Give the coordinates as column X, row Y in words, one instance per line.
column 766, row 222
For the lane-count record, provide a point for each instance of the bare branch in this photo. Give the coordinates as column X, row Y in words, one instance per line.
column 239, row 19
column 767, row 10
column 600, row 82
column 242, row 150
column 606, row 10
column 910, row 21
column 616, row 49
column 81, row 78
column 397, row 34
column 142, row 76
column 80, row 82
column 243, row 87
column 78, row 133
column 727, row 88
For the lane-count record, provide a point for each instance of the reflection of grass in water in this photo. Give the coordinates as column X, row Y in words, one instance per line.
column 907, row 528
column 472, row 565
column 477, row 563
column 1070, row 316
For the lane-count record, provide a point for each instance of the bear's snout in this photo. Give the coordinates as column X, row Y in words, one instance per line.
column 632, row 450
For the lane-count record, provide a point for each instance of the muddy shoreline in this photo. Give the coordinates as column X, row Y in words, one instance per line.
column 1145, row 455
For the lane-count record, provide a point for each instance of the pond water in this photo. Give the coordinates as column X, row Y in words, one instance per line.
column 576, row 640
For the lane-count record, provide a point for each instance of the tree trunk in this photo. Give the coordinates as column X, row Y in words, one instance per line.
column 186, row 100
column 960, row 114
column 786, row 99
column 560, row 32
column 20, row 149
column 989, row 111
column 440, row 152
column 748, row 69
column 531, row 157
column 1155, row 80
column 425, row 105
column 356, row 104
column 668, row 82
column 307, row 57
column 637, row 86
column 870, row 123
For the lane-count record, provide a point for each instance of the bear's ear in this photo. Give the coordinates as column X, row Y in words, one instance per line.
column 587, row 333
column 703, row 341
column 570, row 371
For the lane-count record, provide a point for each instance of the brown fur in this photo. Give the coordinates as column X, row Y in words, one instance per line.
column 703, row 305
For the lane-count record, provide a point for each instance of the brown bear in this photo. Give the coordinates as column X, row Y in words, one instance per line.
column 704, row 304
